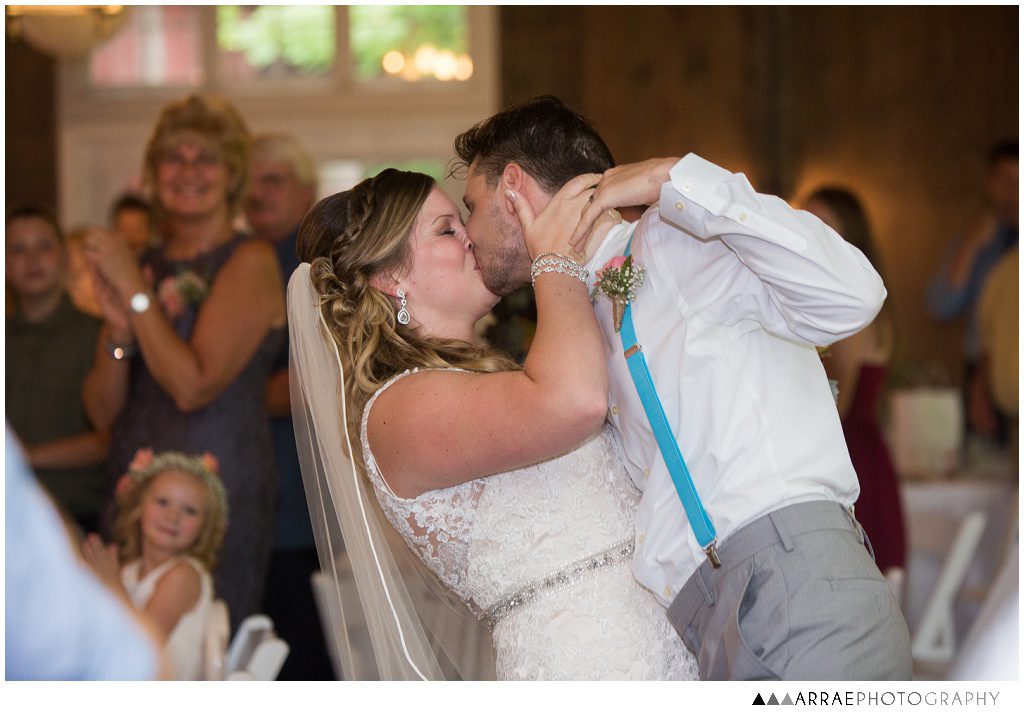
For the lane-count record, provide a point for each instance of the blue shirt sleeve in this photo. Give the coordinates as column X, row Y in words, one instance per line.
column 61, row 622
column 945, row 301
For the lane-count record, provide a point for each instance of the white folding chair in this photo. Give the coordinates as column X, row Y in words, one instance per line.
column 266, row 661
column 990, row 650
column 340, row 653
column 345, row 629
column 215, row 645
column 934, row 640
column 256, row 653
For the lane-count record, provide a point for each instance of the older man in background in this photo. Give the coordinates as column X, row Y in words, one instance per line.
column 282, row 188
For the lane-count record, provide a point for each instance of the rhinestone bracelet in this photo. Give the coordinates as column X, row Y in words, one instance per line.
column 557, row 263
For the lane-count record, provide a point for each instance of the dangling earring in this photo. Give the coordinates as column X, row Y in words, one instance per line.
column 403, row 312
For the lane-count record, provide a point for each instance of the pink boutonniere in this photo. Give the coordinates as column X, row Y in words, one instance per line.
column 618, row 280
column 177, row 292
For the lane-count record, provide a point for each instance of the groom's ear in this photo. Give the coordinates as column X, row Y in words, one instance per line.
column 512, row 178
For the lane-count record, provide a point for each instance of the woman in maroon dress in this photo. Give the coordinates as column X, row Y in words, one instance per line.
column 859, row 365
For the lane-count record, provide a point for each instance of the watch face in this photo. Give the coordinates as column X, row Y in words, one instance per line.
column 140, row 302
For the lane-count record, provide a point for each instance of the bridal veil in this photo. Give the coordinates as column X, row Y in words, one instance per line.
column 388, row 616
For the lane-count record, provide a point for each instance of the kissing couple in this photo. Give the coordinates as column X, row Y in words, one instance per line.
column 661, row 491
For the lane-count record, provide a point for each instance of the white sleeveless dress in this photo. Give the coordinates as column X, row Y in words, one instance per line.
column 542, row 554
column 184, row 647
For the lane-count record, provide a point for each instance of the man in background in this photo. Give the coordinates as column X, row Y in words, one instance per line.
column 957, row 285
column 281, row 190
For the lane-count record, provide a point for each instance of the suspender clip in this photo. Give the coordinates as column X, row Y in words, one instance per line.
column 712, row 554
column 632, row 351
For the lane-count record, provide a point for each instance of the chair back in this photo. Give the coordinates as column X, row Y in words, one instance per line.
column 934, row 640
column 257, row 653
column 990, row 651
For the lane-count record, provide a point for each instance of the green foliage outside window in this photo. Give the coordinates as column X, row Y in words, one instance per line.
column 375, row 30
column 294, row 38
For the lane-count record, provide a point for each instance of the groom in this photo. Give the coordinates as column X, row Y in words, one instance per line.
column 738, row 290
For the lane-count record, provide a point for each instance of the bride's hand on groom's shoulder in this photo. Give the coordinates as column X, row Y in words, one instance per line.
column 549, row 231
column 637, row 184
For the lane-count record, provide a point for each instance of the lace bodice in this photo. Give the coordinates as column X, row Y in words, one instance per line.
column 490, row 539
column 486, row 537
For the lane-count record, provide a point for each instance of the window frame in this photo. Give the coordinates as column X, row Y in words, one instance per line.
column 336, row 89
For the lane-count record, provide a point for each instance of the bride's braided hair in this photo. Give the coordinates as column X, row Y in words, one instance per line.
column 352, row 236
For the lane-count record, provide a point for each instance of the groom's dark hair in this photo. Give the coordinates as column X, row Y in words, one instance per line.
column 544, row 136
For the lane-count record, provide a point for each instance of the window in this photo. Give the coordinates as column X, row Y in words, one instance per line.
column 275, row 41
column 409, row 42
column 162, row 45
column 158, row 45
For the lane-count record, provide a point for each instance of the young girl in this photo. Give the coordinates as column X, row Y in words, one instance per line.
column 171, row 519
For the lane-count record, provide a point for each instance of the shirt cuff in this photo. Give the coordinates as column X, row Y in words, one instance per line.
column 698, row 179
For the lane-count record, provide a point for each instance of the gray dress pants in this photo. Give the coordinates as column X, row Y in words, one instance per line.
column 798, row 597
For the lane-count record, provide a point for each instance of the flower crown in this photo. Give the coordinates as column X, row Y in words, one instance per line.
column 146, row 464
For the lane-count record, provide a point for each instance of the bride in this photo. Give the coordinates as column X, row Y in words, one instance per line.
column 500, row 480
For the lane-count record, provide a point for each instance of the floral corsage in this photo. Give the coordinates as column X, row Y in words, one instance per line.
column 618, row 280
column 177, row 292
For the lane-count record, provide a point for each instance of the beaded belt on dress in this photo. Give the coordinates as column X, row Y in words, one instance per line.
column 571, row 574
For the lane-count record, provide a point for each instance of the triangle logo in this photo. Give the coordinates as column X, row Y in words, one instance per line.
column 773, row 701
column 787, row 701
column 758, row 701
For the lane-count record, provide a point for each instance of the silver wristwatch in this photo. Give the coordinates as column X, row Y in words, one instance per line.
column 139, row 302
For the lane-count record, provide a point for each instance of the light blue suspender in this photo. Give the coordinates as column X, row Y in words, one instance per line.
column 700, row 522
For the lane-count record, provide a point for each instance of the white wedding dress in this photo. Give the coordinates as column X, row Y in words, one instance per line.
column 542, row 555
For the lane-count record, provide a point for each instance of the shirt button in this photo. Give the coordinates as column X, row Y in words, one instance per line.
column 687, row 186
column 667, row 592
column 640, row 538
column 679, row 206
column 743, row 216
column 647, row 472
column 615, row 410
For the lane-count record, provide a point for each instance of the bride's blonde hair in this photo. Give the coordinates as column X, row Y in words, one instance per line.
column 350, row 237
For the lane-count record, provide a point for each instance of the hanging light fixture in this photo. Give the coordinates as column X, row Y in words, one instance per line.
column 65, row 32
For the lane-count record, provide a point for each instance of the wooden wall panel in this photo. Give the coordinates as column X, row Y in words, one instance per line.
column 900, row 104
column 30, row 161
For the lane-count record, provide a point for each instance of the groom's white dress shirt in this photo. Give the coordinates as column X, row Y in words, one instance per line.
column 739, row 289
